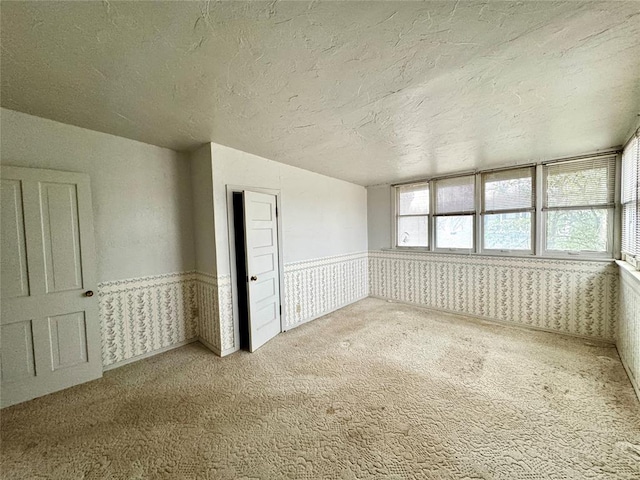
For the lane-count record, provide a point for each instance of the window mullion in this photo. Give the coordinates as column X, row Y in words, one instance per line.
column 478, row 244
column 432, row 221
column 539, row 228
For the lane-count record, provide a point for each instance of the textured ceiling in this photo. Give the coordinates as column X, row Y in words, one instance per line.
column 364, row 91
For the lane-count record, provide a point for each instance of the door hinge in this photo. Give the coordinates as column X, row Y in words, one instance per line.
column 280, row 310
column 276, row 210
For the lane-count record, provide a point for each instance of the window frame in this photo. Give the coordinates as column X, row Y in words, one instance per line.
column 398, row 215
column 532, row 210
column 472, row 213
column 538, row 213
column 610, row 208
column 630, row 257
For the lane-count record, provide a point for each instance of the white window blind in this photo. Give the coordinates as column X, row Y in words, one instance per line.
column 579, row 199
column 508, row 210
column 455, row 207
column 629, row 198
column 413, row 215
column 455, row 195
column 414, row 199
column 580, row 183
column 508, row 190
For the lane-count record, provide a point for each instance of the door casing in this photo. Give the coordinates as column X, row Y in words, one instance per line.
column 230, row 189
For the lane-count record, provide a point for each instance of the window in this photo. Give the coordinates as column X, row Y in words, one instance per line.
column 454, row 212
column 558, row 208
column 630, row 203
column 413, row 215
column 578, row 206
column 508, row 212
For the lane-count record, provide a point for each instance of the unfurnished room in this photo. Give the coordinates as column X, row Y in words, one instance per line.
column 320, row 240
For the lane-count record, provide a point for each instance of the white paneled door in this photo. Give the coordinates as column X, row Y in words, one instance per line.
column 263, row 289
column 49, row 332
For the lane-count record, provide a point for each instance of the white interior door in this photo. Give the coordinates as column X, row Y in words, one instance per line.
column 49, row 332
column 263, row 283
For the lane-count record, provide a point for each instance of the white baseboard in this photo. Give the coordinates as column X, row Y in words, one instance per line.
column 496, row 321
column 148, row 354
column 327, row 312
column 216, row 350
column 229, row 351
column 211, row 347
column 636, row 386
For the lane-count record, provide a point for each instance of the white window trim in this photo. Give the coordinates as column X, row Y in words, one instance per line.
column 630, row 258
column 533, row 210
column 609, row 253
column 538, row 231
column 396, row 208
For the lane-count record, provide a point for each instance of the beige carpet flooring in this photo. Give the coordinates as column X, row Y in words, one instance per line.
column 375, row 390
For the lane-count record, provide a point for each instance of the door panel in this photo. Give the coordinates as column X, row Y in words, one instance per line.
column 264, row 316
column 14, row 281
column 262, row 237
column 50, row 330
column 264, row 263
column 17, row 348
column 60, row 236
column 68, row 338
column 264, row 290
column 263, row 282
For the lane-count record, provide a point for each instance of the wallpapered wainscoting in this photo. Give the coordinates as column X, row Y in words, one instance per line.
column 142, row 315
column 628, row 341
column 145, row 315
column 313, row 288
column 215, row 311
column 575, row 297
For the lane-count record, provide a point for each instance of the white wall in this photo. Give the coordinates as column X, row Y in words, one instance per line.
column 141, row 193
column 202, row 198
column 321, row 216
column 142, row 205
column 379, row 216
column 324, row 238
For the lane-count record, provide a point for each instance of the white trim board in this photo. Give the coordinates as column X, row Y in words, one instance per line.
column 216, row 350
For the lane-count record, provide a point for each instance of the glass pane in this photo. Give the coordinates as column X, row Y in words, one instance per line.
column 582, row 182
column 508, row 189
column 455, row 194
column 414, row 199
column 454, row 232
column 413, row 231
column 577, row 230
column 507, row 231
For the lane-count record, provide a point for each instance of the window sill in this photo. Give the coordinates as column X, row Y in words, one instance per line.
column 528, row 256
column 629, row 269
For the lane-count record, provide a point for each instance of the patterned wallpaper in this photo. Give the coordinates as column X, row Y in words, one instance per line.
column 576, row 297
column 141, row 315
column 225, row 315
column 628, row 341
column 208, row 309
column 315, row 287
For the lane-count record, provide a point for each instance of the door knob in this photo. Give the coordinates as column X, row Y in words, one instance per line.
column 253, row 278
column 88, row 293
